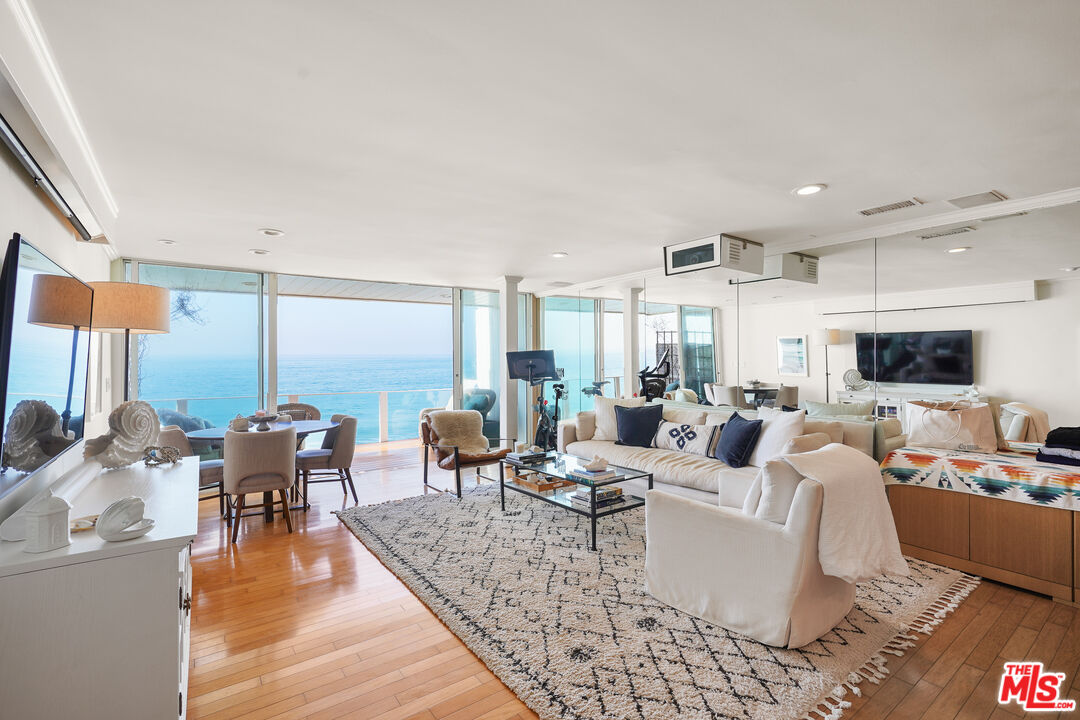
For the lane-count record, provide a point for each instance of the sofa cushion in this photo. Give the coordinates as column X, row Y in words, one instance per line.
column 668, row 466
column 777, row 428
column 683, row 416
column 696, row 439
column 805, row 443
column 637, row 426
column 753, row 496
column 834, row 429
column 735, row 484
column 585, row 423
column 820, row 409
column 606, row 428
column 778, row 483
column 737, row 440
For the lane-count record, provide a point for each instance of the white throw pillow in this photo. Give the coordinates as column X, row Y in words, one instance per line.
column 777, row 428
column 606, row 427
column 778, row 483
column 685, row 395
column 683, row 416
column 805, row 443
column 681, row 437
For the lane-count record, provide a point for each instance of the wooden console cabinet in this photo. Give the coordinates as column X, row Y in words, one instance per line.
column 100, row 629
column 1016, row 543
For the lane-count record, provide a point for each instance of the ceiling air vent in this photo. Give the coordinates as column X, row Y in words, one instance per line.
column 950, row 231
column 913, row 202
column 970, row 201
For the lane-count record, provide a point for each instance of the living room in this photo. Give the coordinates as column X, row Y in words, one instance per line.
column 562, row 319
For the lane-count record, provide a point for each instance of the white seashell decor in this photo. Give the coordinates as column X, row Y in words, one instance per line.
column 133, row 426
column 32, row 422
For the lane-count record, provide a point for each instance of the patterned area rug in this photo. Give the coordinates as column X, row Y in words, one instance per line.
column 574, row 634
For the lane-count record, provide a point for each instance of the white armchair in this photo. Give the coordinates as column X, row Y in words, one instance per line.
column 746, row 574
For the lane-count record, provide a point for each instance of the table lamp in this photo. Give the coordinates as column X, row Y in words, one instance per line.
column 130, row 308
column 61, row 301
column 827, row 337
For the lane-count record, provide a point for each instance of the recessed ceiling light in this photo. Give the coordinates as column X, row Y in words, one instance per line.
column 270, row 232
column 812, row 189
column 1070, row 269
column 560, row 254
column 163, row 241
column 959, row 249
column 259, row 251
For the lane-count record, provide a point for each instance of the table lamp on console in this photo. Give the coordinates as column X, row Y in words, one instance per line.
column 60, row 301
column 130, row 308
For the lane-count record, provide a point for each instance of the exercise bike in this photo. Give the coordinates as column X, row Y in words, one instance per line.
column 547, row 423
column 654, row 380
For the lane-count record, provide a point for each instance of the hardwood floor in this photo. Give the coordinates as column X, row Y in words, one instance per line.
column 311, row 625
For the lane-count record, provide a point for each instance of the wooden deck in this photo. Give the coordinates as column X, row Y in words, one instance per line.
column 311, row 625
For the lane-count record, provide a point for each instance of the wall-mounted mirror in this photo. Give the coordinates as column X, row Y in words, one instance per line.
column 45, row 356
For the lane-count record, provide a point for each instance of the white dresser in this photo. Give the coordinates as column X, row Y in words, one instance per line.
column 99, row 630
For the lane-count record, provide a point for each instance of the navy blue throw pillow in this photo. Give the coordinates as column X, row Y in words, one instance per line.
column 737, row 440
column 637, row 426
column 788, row 408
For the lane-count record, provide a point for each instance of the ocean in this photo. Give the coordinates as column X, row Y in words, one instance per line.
column 217, row 388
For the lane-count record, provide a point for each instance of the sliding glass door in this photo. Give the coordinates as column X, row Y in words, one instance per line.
column 569, row 329
column 479, row 359
column 698, row 357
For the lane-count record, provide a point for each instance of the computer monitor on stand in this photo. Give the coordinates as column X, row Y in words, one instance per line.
column 536, row 366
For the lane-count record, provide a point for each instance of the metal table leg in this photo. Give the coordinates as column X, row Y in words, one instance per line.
column 592, row 501
column 502, row 485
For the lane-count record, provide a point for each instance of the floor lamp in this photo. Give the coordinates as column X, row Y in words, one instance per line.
column 827, row 337
column 130, row 308
column 61, row 301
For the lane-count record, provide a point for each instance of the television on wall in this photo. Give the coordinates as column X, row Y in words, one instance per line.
column 44, row 359
column 939, row 357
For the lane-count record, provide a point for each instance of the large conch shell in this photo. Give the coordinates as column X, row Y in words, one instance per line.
column 132, row 427
column 31, row 422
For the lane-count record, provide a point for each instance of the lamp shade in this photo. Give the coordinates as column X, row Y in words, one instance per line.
column 120, row 306
column 829, row 336
column 59, row 301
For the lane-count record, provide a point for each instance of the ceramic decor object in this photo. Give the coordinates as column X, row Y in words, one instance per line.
column 123, row 520
column 47, row 524
column 133, row 426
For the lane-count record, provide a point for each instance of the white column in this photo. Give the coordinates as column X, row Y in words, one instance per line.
column 508, row 342
column 271, row 342
column 631, row 340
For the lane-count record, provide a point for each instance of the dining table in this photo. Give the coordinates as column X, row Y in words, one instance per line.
column 759, row 393
column 216, row 436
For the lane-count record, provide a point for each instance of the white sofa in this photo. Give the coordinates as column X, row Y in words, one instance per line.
column 694, row 476
column 744, row 573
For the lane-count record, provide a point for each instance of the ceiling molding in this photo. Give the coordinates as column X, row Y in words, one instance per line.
column 28, row 65
column 1006, row 207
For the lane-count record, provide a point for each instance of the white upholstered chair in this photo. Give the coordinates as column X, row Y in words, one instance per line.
column 729, row 395
column 259, row 462
column 744, row 573
column 211, row 472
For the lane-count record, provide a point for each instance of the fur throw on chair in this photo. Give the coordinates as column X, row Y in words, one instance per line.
column 461, row 428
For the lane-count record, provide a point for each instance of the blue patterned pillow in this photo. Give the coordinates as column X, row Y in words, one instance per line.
column 696, row 439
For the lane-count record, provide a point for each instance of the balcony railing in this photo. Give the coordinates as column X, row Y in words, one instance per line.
column 383, row 415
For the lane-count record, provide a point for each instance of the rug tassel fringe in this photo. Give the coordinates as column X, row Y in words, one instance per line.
column 833, row 705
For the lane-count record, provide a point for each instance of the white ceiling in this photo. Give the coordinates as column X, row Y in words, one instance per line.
column 450, row 143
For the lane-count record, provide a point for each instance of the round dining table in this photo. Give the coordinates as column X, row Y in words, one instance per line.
column 216, row 435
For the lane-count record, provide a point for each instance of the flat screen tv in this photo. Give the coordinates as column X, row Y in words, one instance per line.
column 940, row 357
column 44, row 359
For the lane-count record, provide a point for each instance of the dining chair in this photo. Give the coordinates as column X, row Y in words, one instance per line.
column 332, row 462
column 729, row 395
column 211, row 472
column 787, row 395
column 258, row 462
column 299, row 411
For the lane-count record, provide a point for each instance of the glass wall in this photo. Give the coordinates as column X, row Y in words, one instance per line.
column 660, row 336
column 613, row 360
column 569, row 329
column 698, row 354
column 205, row 370
column 480, row 362
column 342, row 349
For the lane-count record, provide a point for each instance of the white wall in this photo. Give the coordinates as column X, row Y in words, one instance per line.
column 1028, row 351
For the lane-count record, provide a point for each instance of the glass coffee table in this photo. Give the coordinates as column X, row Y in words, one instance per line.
column 558, row 467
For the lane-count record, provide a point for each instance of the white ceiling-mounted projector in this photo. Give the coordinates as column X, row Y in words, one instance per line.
column 726, row 251
column 792, row 266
